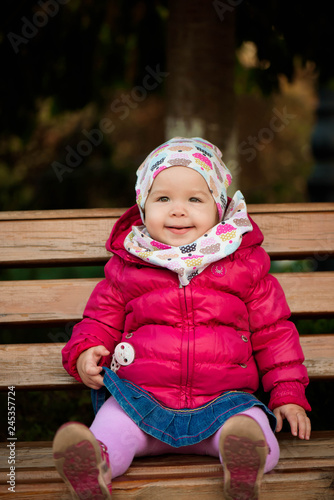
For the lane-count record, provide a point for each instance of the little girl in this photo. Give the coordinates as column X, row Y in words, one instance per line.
column 176, row 336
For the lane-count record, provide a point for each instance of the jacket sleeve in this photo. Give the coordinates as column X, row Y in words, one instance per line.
column 102, row 323
column 275, row 339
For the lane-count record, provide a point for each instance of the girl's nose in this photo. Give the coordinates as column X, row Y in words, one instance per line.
column 178, row 210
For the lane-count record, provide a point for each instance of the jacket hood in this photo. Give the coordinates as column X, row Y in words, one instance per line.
column 131, row 217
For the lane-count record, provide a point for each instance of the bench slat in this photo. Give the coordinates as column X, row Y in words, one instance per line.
column 74, row 213
column 44, row 301
column 318, row 351
column 40, row 367
column 300, row 474
column 39, row 455
column 95, row 213
column 54, row 301
column 297, row 235
column 313, row 484
column 68, row 236
column 55, row 241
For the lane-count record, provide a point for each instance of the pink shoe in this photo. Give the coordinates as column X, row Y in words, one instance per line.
column 244, row 450
column 82, row 462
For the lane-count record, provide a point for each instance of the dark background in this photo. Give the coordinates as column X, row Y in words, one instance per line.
column 65, row 63
column 229, row 69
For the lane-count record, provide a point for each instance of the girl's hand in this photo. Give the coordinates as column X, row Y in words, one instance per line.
column 87, row 366
column 299, row 422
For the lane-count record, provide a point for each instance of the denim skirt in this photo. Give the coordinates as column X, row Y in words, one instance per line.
column 174, row 427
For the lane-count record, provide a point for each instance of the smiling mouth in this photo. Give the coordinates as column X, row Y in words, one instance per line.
column 179, row 230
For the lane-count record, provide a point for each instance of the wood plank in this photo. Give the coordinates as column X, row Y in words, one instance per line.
column 44, row 301
column 76, row 213
column 55, row 241
column 108, row 212
column 308, row 294
column 56, row 301
column 291, row 486
column 183, row 477
column 280, row 208
column 319, row 355
column 41, row 365
column 68, row 236
column 297, row 235
column 38, row 455
column 47, row 475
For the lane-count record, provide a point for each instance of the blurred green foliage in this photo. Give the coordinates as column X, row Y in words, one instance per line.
column 61, row 79
column 62, row 69
column 283, row 30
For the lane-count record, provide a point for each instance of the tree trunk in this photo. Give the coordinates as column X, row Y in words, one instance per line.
column 200, row 58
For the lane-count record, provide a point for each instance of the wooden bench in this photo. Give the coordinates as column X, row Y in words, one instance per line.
column 76, row 238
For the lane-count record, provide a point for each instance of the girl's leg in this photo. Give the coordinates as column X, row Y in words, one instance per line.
column 273, row 448
column 122, row 437
column 82, row 462
column 247, row 449
column 210, row 446
column 87, row 459
column 125, row 440
column 74, row 443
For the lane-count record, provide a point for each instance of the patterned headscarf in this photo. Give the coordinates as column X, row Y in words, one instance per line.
column 221, row 240
column 195, row 153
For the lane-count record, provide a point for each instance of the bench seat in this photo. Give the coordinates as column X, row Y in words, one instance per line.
column 305, row 472
column 75, row 238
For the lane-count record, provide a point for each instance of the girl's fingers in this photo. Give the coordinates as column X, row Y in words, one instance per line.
column 94, row 382
column 100, row 351
column 308, row 429
column 294, row 426
column 93, row 369
column 279, row 420
column 304, row 426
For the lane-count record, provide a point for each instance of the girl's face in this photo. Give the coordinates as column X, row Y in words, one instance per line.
column 179, row 208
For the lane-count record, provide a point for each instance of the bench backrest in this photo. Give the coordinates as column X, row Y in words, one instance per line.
column 47, row 239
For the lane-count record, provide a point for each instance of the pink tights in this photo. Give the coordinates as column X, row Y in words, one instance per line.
column 125, row 440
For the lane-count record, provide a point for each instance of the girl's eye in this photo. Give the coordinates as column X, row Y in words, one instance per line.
column 163, row 198
column 195, row 199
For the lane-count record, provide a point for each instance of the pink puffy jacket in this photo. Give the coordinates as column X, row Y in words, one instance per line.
column 222, row 331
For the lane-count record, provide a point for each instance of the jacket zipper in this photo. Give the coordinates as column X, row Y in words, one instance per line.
column 188, row 347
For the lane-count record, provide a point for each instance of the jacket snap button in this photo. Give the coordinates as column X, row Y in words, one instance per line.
column 244, row 338
column 124, row 354
column 243, row 365
column 128, row 335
